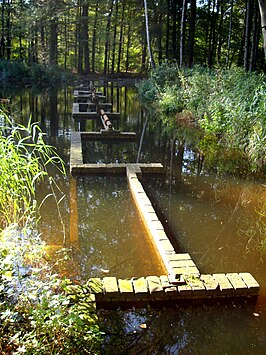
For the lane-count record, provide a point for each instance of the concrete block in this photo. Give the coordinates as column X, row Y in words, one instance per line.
column 189, row 270
column 164, row 281
column 156, row 225
column 110, row 285
column 154, row 284
column 140, row 285
column 179, row 256
column 181, row 263
column 225, row 286
column 125, row 286
column 210, row 283
column 251, row 283
column 149, row 216
column 237, row 282
column 165, row 246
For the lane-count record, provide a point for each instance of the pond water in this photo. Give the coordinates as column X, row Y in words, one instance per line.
column 213, row 218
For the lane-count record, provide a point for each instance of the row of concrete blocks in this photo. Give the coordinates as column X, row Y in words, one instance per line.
column 78, row 167
column 154, row 288
column 184, row 278
column 175, row 264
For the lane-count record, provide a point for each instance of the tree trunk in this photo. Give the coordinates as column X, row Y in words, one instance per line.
column 107, row 39
column 262, row 7
column 191, row 37
column 8, row 32
column 255, row 38
column 207, row 30
column 167, row 40
column 53, row 42
column 182, row 32
column 148, row 35
column 174, row 29
column 229, row 33
column 114, row 38
column 212, row 38
column 43, row 56
column 84, row 38
column 220, row 33
column 160, row 29
column 121, row 38
column 94, row 34
column 2, row 45
column 247, row 33
column 128, row 46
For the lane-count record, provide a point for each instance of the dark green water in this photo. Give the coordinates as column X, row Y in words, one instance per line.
column 213, row 218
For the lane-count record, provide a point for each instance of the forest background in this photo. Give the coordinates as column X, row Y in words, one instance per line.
column 110, row 36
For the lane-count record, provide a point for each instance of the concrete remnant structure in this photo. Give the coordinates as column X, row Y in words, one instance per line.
column 183, row 282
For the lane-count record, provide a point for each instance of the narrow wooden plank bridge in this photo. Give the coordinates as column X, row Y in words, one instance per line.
column 182, row 281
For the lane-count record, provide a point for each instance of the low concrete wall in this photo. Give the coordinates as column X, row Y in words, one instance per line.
column 184, row 281
column 111, row 291
column 175, row 264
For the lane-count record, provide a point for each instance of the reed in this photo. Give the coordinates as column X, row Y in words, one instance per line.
column 24, row 157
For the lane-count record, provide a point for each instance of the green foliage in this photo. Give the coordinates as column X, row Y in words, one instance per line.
column 147, row 91
column 228, row 105
column 41, row 313
column 170, row 101
column 165, row 74
column 10, row 70
column 37, row 74
column 47, row 76
column 24, row 157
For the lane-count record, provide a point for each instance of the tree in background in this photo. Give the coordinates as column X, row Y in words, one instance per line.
column 262, row 6
column 128, row 36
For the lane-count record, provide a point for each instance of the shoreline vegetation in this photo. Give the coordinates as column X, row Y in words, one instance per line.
column 40, row 311
column 42, row 76
column 224, row 110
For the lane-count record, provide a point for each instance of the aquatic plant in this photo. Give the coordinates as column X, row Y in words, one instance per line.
column 40, row 312
column 24, row 157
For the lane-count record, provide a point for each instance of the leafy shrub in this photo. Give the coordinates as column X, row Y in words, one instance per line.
column 10, row 70
column 166, row 74
column 229, row 104
column 36, row 74
column 41, row 313
column 147, row 91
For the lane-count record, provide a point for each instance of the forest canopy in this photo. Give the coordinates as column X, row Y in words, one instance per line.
column 110, row 36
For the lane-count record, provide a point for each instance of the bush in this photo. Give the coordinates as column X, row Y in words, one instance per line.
column 40, row 313
column 229, row 104
column 11, row 70
column 36, row 74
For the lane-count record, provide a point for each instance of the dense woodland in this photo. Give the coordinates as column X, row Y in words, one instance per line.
column 110, row 36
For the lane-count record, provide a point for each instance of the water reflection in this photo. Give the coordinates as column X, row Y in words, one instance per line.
column 112, row 239
column 219, row 329
column 210, row 217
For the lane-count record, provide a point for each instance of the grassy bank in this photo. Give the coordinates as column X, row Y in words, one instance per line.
column 228, row 106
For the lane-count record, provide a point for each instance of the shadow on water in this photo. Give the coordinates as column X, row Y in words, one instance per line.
column 213, row 218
